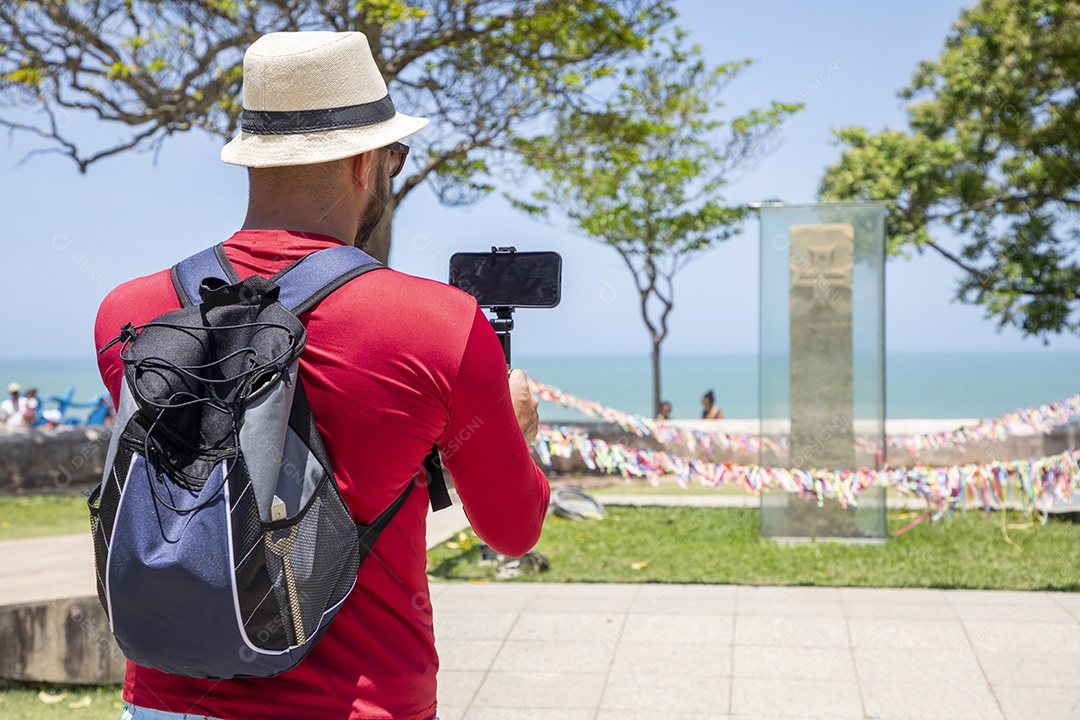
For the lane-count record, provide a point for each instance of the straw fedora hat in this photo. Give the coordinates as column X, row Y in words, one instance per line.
column 313, row 97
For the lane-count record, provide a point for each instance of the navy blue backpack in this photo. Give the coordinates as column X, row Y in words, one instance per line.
column 222, row 546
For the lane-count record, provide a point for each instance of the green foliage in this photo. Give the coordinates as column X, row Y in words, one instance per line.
column 120, row 71
column 642, row 170
column 387, row 13
column 991, row 155
column 721, row 545
column 477, row 68
column 24, row 75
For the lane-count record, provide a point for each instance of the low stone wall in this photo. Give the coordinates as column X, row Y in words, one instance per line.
column 59, row 641
column 62, row 458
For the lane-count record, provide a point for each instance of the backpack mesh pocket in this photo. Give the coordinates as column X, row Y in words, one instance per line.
column 291, row 573
column 103, row 502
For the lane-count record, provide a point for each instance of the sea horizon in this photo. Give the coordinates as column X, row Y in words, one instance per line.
column 920, row 385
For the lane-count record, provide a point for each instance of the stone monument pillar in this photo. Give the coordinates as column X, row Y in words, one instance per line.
column 822, row 431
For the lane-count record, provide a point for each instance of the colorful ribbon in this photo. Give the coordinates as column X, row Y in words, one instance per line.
column 987, row 484
column 1042, row 419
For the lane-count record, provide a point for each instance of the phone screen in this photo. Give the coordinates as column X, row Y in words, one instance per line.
column 517, row 279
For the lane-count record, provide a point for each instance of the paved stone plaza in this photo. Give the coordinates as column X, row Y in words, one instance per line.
column 577, row 652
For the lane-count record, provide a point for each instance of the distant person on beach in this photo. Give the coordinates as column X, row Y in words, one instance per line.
column 709, row 410
column 393, row 365
column 665, row 411
column 13, row 408
column 33, row 406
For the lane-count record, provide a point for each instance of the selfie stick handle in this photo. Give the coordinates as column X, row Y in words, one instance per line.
column 503, row 323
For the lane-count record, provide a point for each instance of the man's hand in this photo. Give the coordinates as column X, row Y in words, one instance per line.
column 525, row 405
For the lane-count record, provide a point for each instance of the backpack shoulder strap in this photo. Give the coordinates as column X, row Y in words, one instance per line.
column 436, row 480
column 310, row 279
column 303, row 283
column 188, row 274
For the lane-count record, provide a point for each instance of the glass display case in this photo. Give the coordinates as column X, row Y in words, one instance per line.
column 823, row 360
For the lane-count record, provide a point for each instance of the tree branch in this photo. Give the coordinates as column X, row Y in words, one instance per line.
column 1006, row 200
column 985, row 280
column 432, row 165
column 980, row 275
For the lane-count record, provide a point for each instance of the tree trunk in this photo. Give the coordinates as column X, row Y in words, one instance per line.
column 378, row 245
column 656, row 377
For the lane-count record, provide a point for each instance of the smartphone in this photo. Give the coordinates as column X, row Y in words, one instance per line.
column 509, row 279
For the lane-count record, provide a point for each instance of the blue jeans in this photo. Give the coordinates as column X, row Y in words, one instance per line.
column 136, row 712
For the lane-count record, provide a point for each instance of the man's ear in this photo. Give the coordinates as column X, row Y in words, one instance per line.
column 362, row 167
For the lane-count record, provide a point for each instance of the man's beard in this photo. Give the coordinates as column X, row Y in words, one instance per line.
column 374, row 210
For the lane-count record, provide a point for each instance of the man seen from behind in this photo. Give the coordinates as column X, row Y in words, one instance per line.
column 393, row 365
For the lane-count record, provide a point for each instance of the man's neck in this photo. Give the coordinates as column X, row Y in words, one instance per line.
column 272, row 221
column 303, row 212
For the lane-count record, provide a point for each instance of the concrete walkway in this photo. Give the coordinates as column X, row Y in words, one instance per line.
column 533, row 651
column 601, row 652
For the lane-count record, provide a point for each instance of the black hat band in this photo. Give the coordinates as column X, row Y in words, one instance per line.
column 294, row 122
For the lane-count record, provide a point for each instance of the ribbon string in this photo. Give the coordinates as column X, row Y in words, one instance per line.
column 1032, row 483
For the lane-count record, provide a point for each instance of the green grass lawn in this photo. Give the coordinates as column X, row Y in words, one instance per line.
column 31, row 702
column 720, row 545
column 24, row 516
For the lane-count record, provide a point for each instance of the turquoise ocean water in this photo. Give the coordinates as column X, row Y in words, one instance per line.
column 917, row 385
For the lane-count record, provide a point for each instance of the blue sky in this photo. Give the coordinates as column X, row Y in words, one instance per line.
column 69, row 238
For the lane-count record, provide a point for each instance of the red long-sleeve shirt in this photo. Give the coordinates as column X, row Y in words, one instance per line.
column 393, row 364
